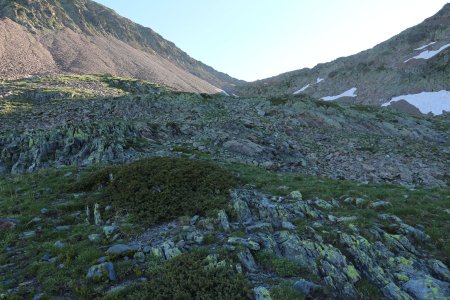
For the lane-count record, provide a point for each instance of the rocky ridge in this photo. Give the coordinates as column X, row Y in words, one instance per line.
column 290, row 134
column 378, row 74
column 83, row 36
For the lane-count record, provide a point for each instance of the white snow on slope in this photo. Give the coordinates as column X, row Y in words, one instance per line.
column 350, row 93
column 426, row 102
column 301, row 90
column 429, row 54
column 223, row 92
column 425, row 46
column 319, row 80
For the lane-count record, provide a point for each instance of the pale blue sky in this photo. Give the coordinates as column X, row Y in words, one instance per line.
column 255, row 39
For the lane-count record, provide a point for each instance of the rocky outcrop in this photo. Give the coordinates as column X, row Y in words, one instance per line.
column 337, row 141
column 391, row 262
column 378, row 74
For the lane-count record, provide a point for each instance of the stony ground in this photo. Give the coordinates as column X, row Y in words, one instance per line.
column 289, row 134
column 333, row 201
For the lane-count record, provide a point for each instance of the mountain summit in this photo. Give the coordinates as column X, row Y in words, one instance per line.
column 82, row 36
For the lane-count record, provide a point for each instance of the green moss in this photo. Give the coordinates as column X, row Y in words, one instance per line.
column 352, row 273
column 155, row 190
column 282, row 267
column 187, row 277
column 286, row 291
column 275, row 101
column 368, row 290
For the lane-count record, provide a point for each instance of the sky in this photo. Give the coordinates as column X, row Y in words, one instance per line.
column 256, row 39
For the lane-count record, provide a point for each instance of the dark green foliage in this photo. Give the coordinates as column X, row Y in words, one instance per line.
column 286, row 291
column 328, row 104
column 368, row 290
column 282, row 266
column 96, row 179
column 275, row 101
column 187, row 277
column 155, row 190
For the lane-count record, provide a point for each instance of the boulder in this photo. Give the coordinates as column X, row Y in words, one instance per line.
column 261, row 293
column 7, row 224
column 223, row 219
column 102, row 272
column 121, row 250
column 427, row 289
column 247, row 260
column 244, row 147
column 305, row 287
column 248, row 243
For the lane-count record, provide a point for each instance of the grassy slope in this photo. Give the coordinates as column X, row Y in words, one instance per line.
column 22, row 197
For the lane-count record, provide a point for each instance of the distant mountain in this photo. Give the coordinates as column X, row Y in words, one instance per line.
column 82, row 36
column 402, row 68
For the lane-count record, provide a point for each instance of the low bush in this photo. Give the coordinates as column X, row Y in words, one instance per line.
column 282, row 266
column 187, row 277
column 155, row 190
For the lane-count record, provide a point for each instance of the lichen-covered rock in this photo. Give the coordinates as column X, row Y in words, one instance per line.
column 307, row 210
column 244, row 147
column 379, row 205
column 305, row 287
column 241, row 207
column 296, row 195
column 399, row 274
column 66, row 145
column 109, row 231
column 260, row 227
column 245, row 242
column 414, row 233
column 247, row 260
column 261, row 293
column 322, row 204
column 102, row 272
column 427, row 289
column 170, row 250
column 223, row 219
column 439, row 269
column 121, row 250
column 95, row 237
column 321, row 259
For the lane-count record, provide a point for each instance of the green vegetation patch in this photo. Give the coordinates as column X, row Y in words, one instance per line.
column 155, row 190
column 190, row 276
column 282, row 266
column 286, row 291
column 423, row 206
column 368, row 290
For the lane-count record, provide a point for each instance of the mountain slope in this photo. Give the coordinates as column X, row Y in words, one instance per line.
column 388, row 70
column 286, row 191
column 32, row 58
column 83, row 36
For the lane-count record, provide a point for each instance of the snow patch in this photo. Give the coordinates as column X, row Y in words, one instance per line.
column 427, row 102
column 427, row 54
column 319, row 80
column 350, row 93
column 302, row 89
column 223, row 92
column 425, row 46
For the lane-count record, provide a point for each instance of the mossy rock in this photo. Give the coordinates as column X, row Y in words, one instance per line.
column 155, row 190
